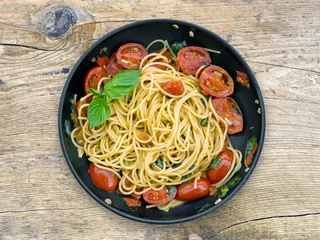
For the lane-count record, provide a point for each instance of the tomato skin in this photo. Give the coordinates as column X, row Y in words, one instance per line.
column 129, row 55
column 166, row 54
column 242, row 78
column 216, row 81
column 93, row 77
column 187, row 192
column 228, row 108
column 249, row 158
column 102, row 61
column 220, row 171
column 113, row 67
column 103, row 179
column 156, row 197
column 173, row 87
column 132, row 202
column 190, row 59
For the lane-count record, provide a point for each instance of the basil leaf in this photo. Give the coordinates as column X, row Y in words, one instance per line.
column 98, row 112
column 67, row 127
column 176, row 46
column 222, row 191
column 122, row 83
column 204, row 122
column 234, row 181
column 203, row 208
column 172, row 191
column 234, row 107
column 250, row 145
column 215, row 163
column 159, row 162
column 95, row 92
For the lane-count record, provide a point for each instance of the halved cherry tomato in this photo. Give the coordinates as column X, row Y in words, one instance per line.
column 174, row 87
column 93, row 77
column 187, row 192
column 242, row 78
column 166, row 54
column 215, row 81
column 228, row 108
column 129, row 55
column 249, row 158
column 132, row 202
column 158, row 197
column 102, row 61
column 113, row 67
column 190, row 59
column 103, row 179
column 220, row 166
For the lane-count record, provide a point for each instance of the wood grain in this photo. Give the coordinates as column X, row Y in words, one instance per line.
column 39, row 196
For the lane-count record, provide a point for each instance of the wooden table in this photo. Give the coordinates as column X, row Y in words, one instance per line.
column 41, row 40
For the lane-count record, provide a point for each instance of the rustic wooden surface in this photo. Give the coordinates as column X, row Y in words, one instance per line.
column 39, row 197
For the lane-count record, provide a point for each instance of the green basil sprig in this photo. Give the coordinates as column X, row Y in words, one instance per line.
column 120, row 85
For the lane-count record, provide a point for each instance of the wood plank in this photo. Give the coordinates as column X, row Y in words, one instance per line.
column 280, row 41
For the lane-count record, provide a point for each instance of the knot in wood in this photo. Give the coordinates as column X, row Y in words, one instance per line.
column 57, row 22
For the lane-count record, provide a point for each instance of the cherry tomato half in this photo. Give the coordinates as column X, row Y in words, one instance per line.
column 113, row 67
column 215, row 81
column 242, row 78
column 159, row 197
column 220, row 166
column 103, row 179
column 190, row 59
column 102, row 61
column 132, row 202
column 173, row 87
column 129, row 55
column 93, row 77
column 228, row 108
column 187, row 192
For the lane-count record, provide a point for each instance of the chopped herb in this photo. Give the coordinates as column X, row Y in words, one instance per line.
column 215, row 163
column 234, row 181
column 250, row 145
column 222, row 191
column 176, row 46
column 192, row 166
column 204, row 122
column 185, row 177
column 172, row 191
column 67, row 127
column 176, row 165
column 203, row 208
column 234, row 107
column 159, row 162
column 251, row 128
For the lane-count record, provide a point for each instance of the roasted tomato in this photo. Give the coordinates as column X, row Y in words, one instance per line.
column 113, row 67
column 132, row 202
column 215, row 81
column 190, row 59
column 93, row 77
column 229, row 110
column 173, row 87
column 166, row 54
column 160, row 197
column 103, row 179
column 102, row 61
column 220, row 166
column 187, row 192
column 242, row 78
column 130, row 55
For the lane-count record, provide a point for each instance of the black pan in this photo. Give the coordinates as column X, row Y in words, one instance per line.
column 144, row 32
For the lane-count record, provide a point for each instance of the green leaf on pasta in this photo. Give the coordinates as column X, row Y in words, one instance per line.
column 98, row 112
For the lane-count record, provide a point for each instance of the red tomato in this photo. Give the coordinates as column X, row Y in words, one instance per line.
column 228, row 108
column 103, row 179
column 132, row 202
column 102, row 61
column 174, row 87
column 215, row 81
column 221, row 166
column 242, row 78
column 190, row 59
column 187, row 192
column 249, row 158
column 130, row 55
column 93, row 77
column 113, row 67
column 166, row 54
column 157, row 197
column 133, row 195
